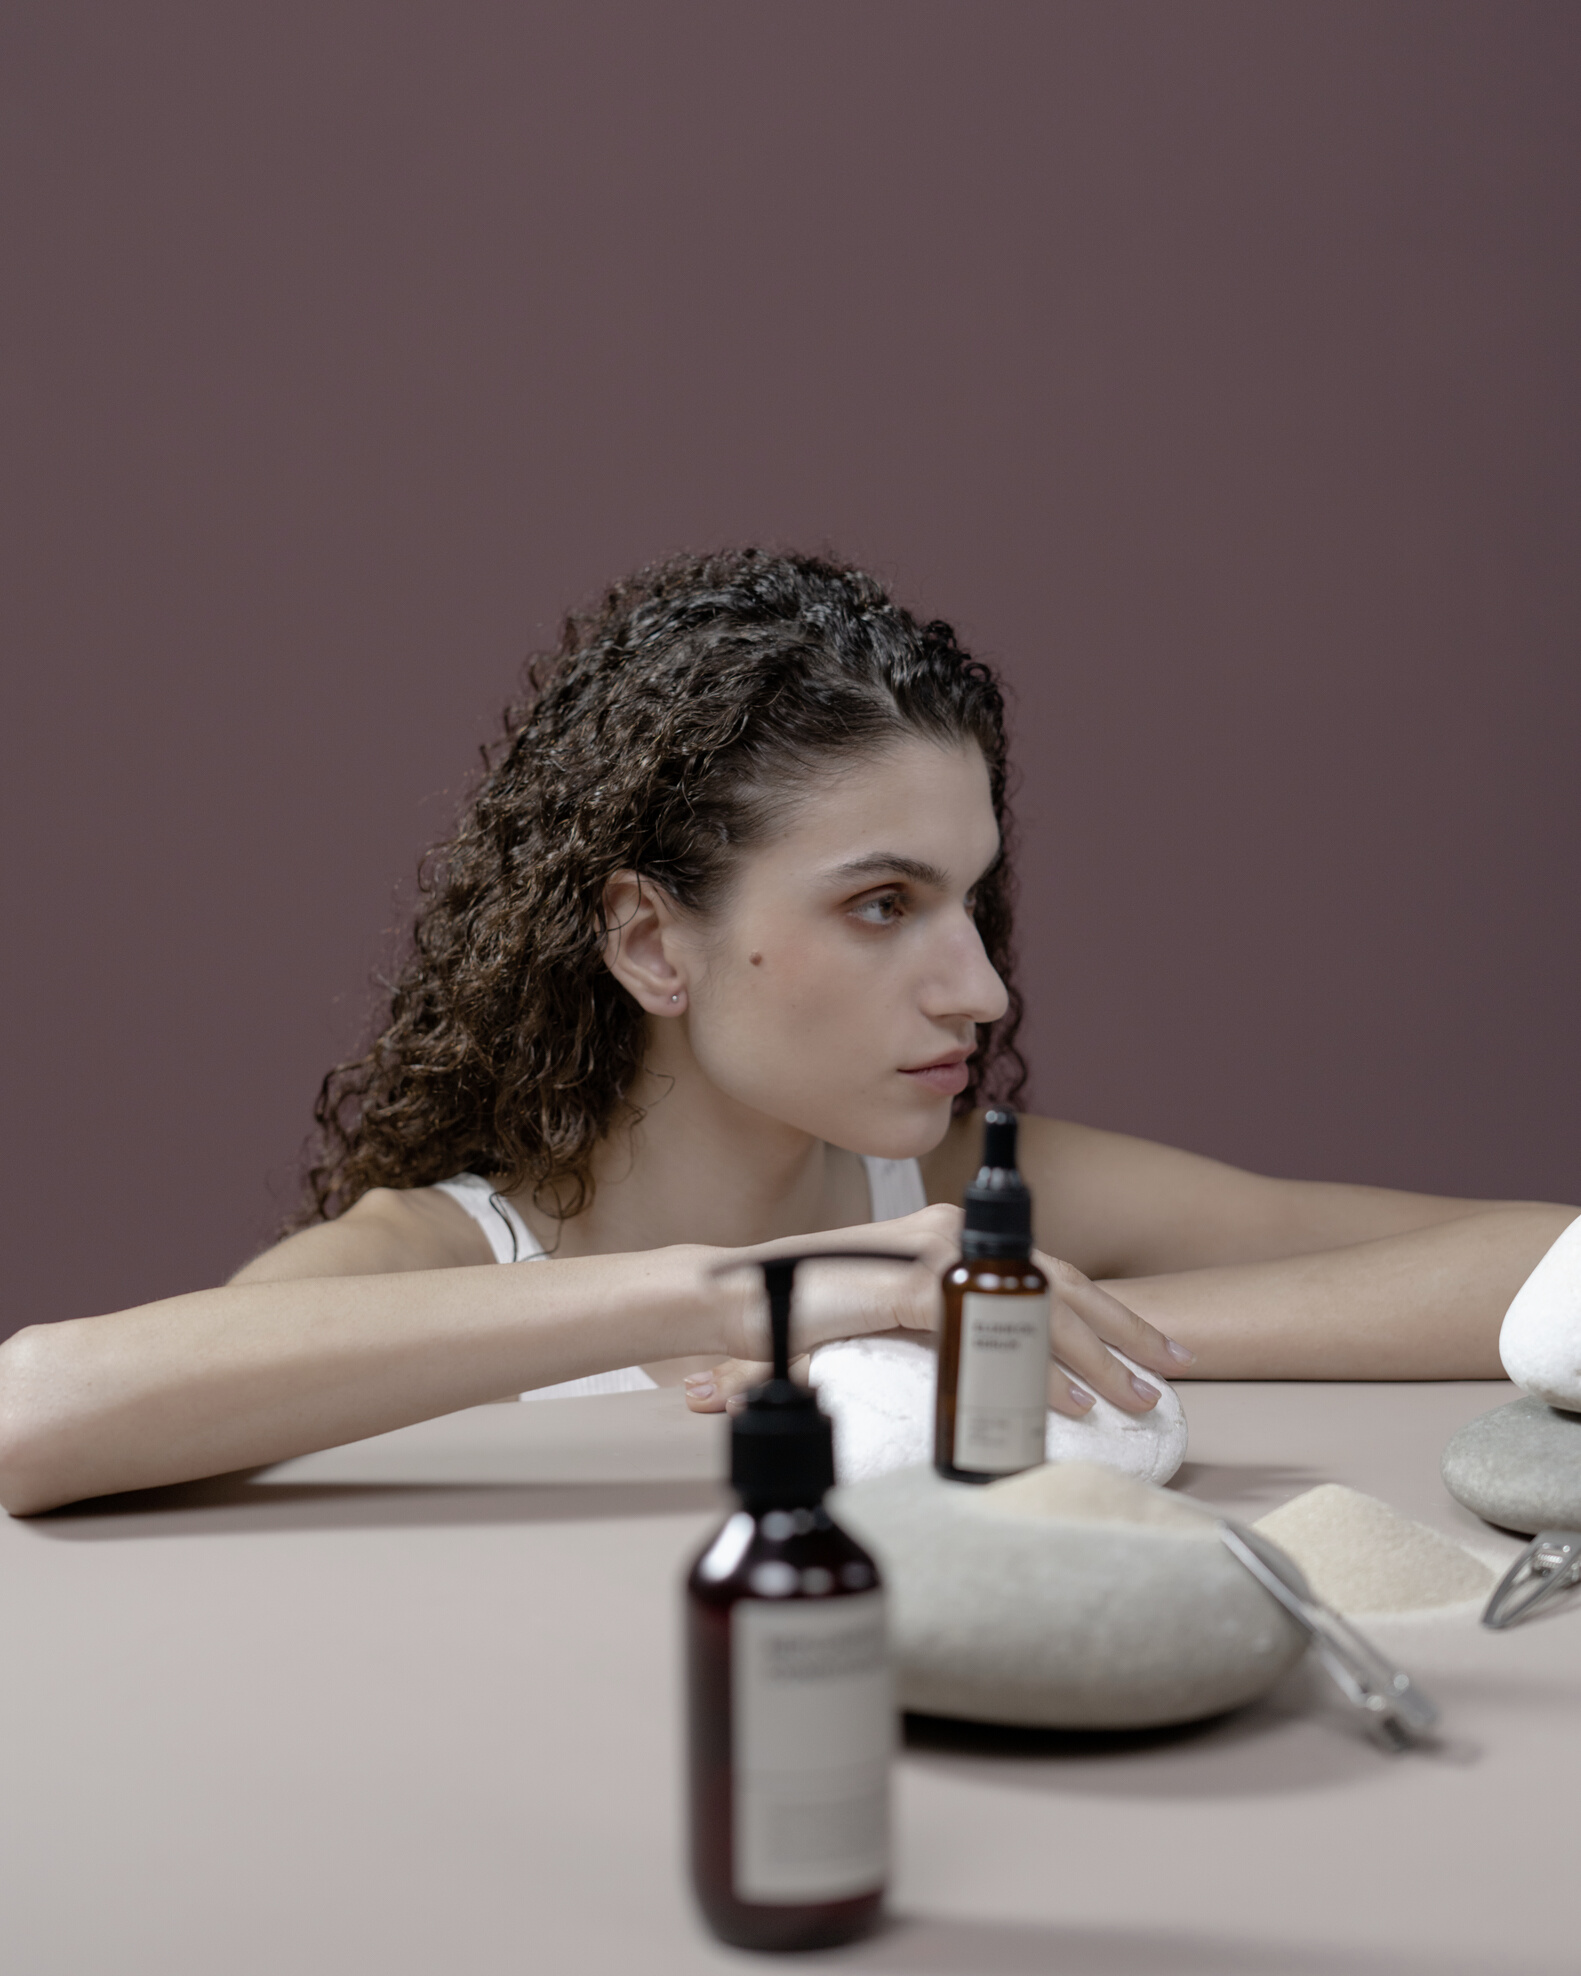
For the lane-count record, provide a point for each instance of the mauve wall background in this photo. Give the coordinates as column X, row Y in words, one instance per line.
column 1214, row 366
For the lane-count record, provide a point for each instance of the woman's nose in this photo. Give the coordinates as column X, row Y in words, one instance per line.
column 968, row 984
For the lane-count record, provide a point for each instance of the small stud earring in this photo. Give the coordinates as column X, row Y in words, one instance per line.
column 675, row 998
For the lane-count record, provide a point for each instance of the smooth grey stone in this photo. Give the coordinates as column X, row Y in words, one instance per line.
column 1062, row 1624
column 1519, row 1466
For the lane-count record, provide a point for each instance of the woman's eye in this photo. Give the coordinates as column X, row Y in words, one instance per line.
column 882, row 911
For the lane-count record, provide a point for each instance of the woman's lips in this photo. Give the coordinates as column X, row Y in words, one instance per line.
column 946, row 1077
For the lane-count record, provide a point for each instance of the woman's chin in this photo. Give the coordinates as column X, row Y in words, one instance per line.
column 908, row 1133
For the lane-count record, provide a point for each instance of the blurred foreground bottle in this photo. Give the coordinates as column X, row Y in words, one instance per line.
column 790, row 1703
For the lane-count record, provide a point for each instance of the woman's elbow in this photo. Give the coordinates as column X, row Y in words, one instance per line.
column 32, row 1432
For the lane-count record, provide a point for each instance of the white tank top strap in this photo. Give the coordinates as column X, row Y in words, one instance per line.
column 508, row 1235
column 895, row 1187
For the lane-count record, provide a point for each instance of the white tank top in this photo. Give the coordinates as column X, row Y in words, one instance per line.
column 895, row 1187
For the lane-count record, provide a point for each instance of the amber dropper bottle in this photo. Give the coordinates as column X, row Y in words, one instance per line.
column 991, row 1412
column 789, row 1698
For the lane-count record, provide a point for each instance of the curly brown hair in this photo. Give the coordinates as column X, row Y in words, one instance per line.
column 675, row 725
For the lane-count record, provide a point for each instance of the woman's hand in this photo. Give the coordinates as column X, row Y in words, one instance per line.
column 867, row 1299
column 1083, row 1319
column 843, row 1301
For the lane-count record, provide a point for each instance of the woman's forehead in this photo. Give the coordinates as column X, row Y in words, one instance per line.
column 916, row 810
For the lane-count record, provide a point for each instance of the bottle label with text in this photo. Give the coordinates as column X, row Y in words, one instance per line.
column 1001, row 1394
column 812, row 1720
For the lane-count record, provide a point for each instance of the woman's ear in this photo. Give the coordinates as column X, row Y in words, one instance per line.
column 642, row 934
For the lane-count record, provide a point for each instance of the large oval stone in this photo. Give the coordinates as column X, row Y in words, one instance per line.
column 1519, row 1466
column 1064, row 1624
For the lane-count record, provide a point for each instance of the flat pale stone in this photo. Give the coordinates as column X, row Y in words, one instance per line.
column 1000, row 1612
column 1519, row 1466
column 1540, row 1339
column 879, row 1392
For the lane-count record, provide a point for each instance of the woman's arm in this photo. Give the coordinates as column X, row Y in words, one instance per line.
column 1274, row 1279
column 1288, row 1279
column 1122, row 1207
column 259, row 1371
column 385, row 1318
column 1426, row 1304
column 1256, row 1278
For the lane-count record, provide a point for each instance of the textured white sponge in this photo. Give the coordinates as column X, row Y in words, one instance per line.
column 879, row 1392
column 1540, row 1342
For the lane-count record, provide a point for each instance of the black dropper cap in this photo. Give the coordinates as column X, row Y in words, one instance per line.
column 998, row 1206
column 782, row 1441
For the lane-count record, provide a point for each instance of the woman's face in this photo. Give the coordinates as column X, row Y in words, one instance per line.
column 838, row 986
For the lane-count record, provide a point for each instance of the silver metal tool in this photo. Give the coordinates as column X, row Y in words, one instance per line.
column 1395, row 1710
column 1549, row 1565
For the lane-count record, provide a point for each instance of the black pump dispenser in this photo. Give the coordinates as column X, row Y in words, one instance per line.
column 782, row 1441
column 790, row 1708
column 998, row 1206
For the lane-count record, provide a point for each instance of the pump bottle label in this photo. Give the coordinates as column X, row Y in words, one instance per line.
column 1001, row 1405
column 813, row 1724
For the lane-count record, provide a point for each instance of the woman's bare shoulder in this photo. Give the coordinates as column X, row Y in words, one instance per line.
column 1053, row 1146
column 1111, row 1204
column 387, row 1230
column 1074, row 1172
column 1118, row 1206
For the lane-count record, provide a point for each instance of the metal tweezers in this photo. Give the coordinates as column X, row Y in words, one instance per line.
column 1396, row 1712
column 1549, row 1565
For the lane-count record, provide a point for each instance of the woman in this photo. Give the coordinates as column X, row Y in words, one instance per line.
column 719, row 959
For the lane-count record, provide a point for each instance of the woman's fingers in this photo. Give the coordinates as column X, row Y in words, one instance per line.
column 726, row 1384
column 1085, row 1319
column 712, row 1391
column 859, row 1299
column 1116, row 1323
column 1065, row 1396
column 1075, row 1347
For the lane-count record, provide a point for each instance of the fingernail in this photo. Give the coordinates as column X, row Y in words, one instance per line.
column 1079, row 1398
column 735, row 1403
column 700, row 1385
column 1179, row 1353
column 1142, row 1390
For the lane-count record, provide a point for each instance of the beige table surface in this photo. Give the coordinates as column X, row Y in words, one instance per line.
column 410, row 1707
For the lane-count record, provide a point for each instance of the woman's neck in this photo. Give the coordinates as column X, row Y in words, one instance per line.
column 698, row 1167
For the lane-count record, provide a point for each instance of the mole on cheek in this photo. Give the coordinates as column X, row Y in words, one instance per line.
column 756, row 959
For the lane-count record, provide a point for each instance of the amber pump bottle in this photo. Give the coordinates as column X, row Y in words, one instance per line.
column 791, row 1714
column 992, row 1403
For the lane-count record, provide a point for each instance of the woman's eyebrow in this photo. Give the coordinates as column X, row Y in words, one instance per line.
column 912, row 868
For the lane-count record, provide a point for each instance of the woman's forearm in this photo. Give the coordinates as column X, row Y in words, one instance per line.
column 257, row 1372
column 1423, row 1305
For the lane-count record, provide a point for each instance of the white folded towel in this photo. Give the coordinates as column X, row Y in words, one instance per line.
column 1540, row 1341
column 879, row 1392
